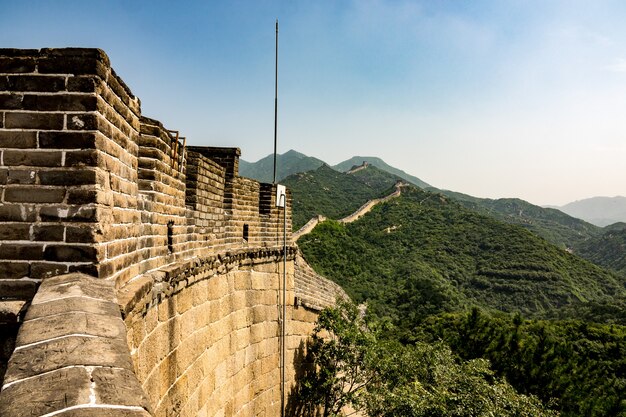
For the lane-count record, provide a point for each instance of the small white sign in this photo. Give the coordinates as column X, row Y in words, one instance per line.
column 281, row 195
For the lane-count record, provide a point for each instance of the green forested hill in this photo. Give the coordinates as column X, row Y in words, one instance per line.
column 334, row 194
column 579, row 364
column 608, row 250
column 551, row 224
column 288, row 163
column 380, row 164
column 423, row 253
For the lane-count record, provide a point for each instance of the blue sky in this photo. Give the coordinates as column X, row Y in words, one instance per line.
column 492, row 98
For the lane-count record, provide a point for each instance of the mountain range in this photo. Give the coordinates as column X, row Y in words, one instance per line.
column 329, row 191
column 292, row 162
column 539, row 293
column 601, row 211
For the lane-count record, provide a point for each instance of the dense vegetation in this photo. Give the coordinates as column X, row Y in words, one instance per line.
column 446, row 269
column 581, row 364
column 382, row 165
column 330, row 193
column 353, row 365
column 422, row 254
column 551, row 224
column 608, row 250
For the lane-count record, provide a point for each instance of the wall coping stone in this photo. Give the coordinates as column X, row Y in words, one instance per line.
column 150, row 288
column 71, row 356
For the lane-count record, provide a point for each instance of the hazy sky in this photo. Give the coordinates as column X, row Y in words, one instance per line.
column 492, row 98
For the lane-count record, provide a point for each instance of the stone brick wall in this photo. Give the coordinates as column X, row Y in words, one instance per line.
column 88, row 185
column 205, row 337
column 312, row 290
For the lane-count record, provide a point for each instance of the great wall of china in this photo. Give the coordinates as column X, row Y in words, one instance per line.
column 138, row 276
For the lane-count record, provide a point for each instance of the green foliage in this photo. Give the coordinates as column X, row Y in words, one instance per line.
column 382, row 165
column 608, row 250
column 582, row 364
column 330, row 193
column 341, row 354
column 352, row 366
column 422, row 254
column 553, row 225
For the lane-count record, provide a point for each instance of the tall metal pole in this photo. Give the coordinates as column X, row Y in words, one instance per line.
column 275, row 104
column 284, row 301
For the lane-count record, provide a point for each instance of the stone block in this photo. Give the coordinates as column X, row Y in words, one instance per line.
column 14, row 231
column 46, row 394
column 92, row 411
column 34, row 194
column 17, row 64
column 48, row 232
column 41, row 270
column 87, row 121
column 13, row 270
column 36, row 83
column 65, row 102
column 68, row 213
column 11, row 101
column 62, row 305
column 32, row 158
column 68, row 177
column 66, row 140
column 21, row 176
column 76, row 65
column 77, row 322
column 70, row 351
column 70, row 253
column 83, row 84
column 23, row 120
column 118, row 387
column 21, row 251
column 19, row 289
column 18, row 212
column 83, row 158
column 75, row 285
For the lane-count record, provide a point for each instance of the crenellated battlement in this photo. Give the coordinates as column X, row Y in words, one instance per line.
column 93, row 186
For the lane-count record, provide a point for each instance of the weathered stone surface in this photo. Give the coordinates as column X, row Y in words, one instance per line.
column 68, row 351
column 81, row 304
column 103, row 412
column 46, row 393
column 127, row 200
column 33, row 120
column 75, row 285
column 17, row 139
column 118, row 387
column 19, row 289
column 34, row 194
column 77, row 322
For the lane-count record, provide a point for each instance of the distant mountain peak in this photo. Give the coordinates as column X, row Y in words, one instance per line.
column 348, row 164
column 601, row 211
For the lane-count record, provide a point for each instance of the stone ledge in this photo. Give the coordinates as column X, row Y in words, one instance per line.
column 71, row 356
column 147, row 289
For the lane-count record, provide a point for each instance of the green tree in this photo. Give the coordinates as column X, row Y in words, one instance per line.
column 353, row 366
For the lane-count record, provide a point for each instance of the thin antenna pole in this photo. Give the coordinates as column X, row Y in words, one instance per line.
column 276, row 103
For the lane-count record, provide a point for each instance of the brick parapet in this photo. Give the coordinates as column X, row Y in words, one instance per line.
column 312, row 290
column 66, row 119
column 90, row 185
